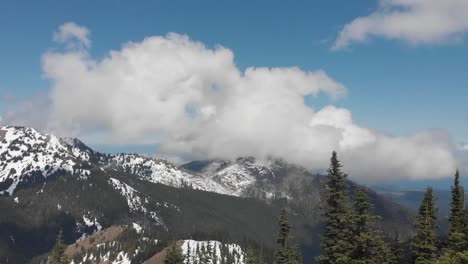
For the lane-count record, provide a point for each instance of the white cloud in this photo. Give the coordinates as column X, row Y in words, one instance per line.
column 464, row 146
column 195, row 102
column 73, row 35
column 413, row 21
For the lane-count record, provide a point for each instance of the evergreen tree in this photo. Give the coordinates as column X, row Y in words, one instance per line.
column 288, row 252
column 453, row 257
column 456, row 252
column 57, row 255
column 396, row 251
column 368, row 245
column 336, row 240
column 284, row 229
column 251, row 257
column 456, row 235
column 424, row 244
column 174, row 254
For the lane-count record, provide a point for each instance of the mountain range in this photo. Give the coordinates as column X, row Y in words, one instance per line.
column 48, row 184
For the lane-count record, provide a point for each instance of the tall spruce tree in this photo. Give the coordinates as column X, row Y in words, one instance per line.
column 287, row 252
column 456, row 234
column 336, row 245
column 174, row 255
column 457, row 251
column 368, row 245
column 57, row 255
column 284, row 229
column 424, row 244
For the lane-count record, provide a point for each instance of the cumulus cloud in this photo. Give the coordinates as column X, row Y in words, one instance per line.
column 73, row 35
column 413, row 21
column 194, row 102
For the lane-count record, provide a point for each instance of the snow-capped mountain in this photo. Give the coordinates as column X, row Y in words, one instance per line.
column 28, row 156
column 164, row 172
column 49, row 183
column 243, row 175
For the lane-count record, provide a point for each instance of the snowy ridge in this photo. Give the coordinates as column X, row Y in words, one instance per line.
column 212, row 252
column 161, row 171
column 26, row 154
column 244, row 173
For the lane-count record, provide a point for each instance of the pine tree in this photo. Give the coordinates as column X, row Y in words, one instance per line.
column 424, row 244
column 456, row 235
column 288, row 252
column 368, row 245
column 284, row 229
column 57, row 255
column 336, row 245
column 174, row 254
column 456, row 252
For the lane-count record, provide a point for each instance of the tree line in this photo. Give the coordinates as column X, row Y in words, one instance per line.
column 351, row 235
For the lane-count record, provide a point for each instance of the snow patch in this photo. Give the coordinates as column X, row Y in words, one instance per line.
column 89, row 223
column 189, row 249
column 24, row 152
column 137, row 228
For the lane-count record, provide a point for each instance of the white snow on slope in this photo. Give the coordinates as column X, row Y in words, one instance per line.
column 161, row 171
column 25, row 152
column 189, row 250
column 112, row 253
column 137, row 228
column 131, row 195
column 88, row 222
column 134, row 201
column 122, row 258
column 237, row 177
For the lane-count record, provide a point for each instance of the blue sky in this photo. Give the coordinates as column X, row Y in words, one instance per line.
column 394, row 85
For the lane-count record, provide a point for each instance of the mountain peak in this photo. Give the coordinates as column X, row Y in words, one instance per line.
column 27, row 155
